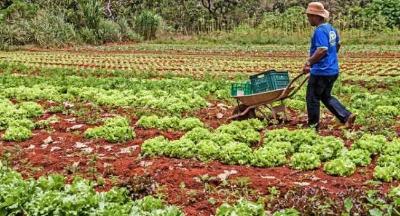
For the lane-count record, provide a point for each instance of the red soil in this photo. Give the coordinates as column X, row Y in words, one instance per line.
column 60, row 155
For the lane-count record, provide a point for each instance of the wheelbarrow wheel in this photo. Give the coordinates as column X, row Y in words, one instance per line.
column 241, row 108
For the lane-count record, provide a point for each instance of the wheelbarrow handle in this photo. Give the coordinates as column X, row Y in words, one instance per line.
column 283, row 95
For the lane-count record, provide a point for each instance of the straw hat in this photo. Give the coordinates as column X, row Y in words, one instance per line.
column 317, row 8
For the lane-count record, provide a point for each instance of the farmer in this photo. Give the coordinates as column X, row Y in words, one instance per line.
column 323, row 67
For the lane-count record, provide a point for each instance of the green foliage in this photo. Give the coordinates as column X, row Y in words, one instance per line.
column 389, row 160
column 295, row 137
column 242, row 207
column 371, row 143
column 340, row 167
column 390, row 9
column 26, row 123
column 147, row 23
column 287, row 212
column 154, row 147
column 392, row 148
column 114, row 130
column 50, row 29
column 51, row 196
column 326, row 147
column 166, row 123
column 207, row 150
column 236, row 153
column 17, row 133
column 386, row 173
column 109, row 31
column 183, row 148
column 269, row 157
column 387, row 111
column 198, row 134
column 30, row 109
column 243, row 131
column 286, row 147
column 359, row 157
column 305, row 161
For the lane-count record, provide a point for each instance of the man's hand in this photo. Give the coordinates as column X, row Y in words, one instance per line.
column 307, row 67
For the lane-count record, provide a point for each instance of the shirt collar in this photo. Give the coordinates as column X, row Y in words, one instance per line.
column 325, row 23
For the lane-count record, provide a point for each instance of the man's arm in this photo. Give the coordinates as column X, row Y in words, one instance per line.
column 316, row 57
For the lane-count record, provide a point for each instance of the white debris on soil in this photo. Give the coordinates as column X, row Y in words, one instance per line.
column 80, row 145
column 222, row 106
column 220, row 115
column 302, row 184
column 145, row 163
column 68, row 105
column 88, row 150
column 268, row 177
column 71, row 120
column 75, row 127
column 225, row 175
column 108, row 147
column 55, row 148
column 48, row 140
column 128, row 150
column 31, row 147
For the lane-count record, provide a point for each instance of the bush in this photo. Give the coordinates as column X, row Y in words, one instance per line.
column 50, row 29
column 147, row 24
column 127, row 32
column 88, row 35
column 109, row 31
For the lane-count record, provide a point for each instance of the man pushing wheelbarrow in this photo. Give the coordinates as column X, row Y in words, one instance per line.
column 323, row 66
column 322, row 69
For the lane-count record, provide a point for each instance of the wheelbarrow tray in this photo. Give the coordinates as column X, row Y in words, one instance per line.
column 264, row 97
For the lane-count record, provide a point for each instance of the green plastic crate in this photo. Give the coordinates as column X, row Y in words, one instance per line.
column 241, row 89
column 269, row 81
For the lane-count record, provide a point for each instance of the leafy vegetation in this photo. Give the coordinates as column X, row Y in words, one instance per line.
column 305, row 161
column 114, row 130
column 51, row 195
column 242, row 207
column 340, row 166
column 169, row 123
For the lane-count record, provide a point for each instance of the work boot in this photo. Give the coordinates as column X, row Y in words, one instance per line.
column 350, row 121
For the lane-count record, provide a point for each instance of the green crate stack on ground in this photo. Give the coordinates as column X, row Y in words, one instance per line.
column 266, row 81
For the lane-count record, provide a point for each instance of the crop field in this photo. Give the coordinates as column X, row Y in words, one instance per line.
column 143, row 130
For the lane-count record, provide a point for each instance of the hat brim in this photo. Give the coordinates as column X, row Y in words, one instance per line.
column 324, row 14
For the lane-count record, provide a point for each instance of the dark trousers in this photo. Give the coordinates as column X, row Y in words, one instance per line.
column 319, row 89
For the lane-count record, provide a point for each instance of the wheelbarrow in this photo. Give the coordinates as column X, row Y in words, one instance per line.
column 249, row 104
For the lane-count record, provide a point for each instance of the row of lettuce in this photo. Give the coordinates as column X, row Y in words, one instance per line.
column 301, row 149
column 230, row 144
column 173, row 94
column 52, row 196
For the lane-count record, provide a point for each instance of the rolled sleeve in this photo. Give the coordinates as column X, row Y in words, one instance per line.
column 321, row 39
